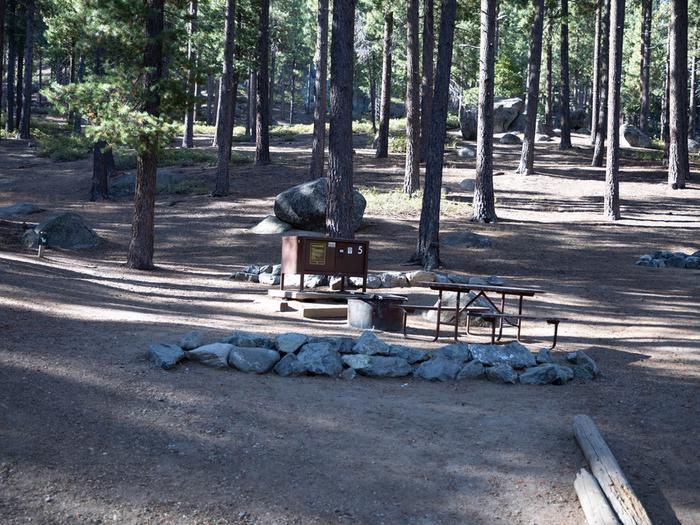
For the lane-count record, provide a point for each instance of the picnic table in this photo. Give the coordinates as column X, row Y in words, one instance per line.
column 498, row 313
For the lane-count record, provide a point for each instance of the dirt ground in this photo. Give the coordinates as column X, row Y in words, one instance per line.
column 90, row 432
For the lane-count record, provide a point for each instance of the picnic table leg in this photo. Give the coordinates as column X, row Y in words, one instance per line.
column 493, row 330
column 520, row 312
column 503, row 310
column 457, row 318
column 555, row 322
column 439, row 314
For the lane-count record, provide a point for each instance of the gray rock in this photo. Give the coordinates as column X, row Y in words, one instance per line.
column 658, row 263
column 370, row 344
column 393, row 280
column 373, row 281
column 67, row 230
column 449, row 300
column 693, row 146
column 420, row 276
column 633, row 137
column 587, row 362
column 518, row 125
column 165, row 356
column 547, row 374
column 545, row 129
column 510, row 138
column 477, row 280
column 541, row 137
column 249, row 359
column 677, row 261
column 342, row 345
column 494, row 280
column 289, row 366
column 457, row 278
column 467, row 239
column 472, row 370
column 22, row 208
column 348, row 374
column 412, row 355
column 249, row 339
column 505, row 111
column 310, row 281
column 572, row 357
column 438, row 369
column 502, row 374
column 458, row 352
column 695, row 254
column 692, row 263
column 276, row 269
column 271, row 225
column 467, row 185
column 468, row 122
column 320, row 359
column 191, row 340
column 543, row 356
column 564, row 375
column 290, row 342
column 513, row 354
column 257, row 269
column 441, row 278
column 215, row 354
column 304, row 206
column 582, row 373
column 269, row 279
column 378, row 366
column 244, row 277
column 466, row 152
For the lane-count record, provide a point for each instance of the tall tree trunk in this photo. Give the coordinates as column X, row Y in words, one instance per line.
column 292, row 90
column 102, row 155
column 211, row 88
column 426, row 85
column 219, row 99
column 549, row 87
column 3, row 20
column 678, row 168
column 271, row 88
column 527, row 156
column 372, row 93
column 596, row 71
column 77, row 117
column 611, row 201
column 321, row 64
column 309, row 89
column 249, row 104
column 602, row 116
column 411, row 181
column 253, row 103
column 25, row 123
column 484, row 207
column 385, row 107
column 226, row 105
column 644, row 66
column 665, row 129
column 428, row 244
column 140, row 254
column 19, row 83
column 339, row 202
column 262, row 133
column 188, row 134
column 693, row 98
column 565, row 141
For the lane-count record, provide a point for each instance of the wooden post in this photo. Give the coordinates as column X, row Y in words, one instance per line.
column 608, row 473
column 593, row 502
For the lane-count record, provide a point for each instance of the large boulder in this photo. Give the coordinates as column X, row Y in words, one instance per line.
column 165, row 356
column 378, row 366
column 519, row 123
column 693, row 146
column 505, row 112
column 513, row 354
column 320, row 359
column 467, row 123
column 438, row 369
column 249, row 359
column 304, row 206
column 270, row 225
column 215, row 354
column 67, row 230
column 510, row 139
column 633, row 137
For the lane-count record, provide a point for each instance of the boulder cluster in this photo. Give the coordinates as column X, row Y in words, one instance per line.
column 296, row 354
column 661, row 259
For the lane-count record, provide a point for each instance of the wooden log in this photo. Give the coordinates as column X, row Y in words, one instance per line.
column 605, row 468
column 593, row 502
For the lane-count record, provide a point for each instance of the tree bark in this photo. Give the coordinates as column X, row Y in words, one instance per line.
column 527, row 156
column 253, row 103
column 565, row 141
column 385, row 107
column 678, row 167
column 484, row 207
column 262, row 93
column 224, row 128
column 292, row 90
column 693, row 100
column 665, row 129
column 3, row 20
column 372, row 93
column 549, row 95
column 321, row 64
column 19, row 83
column 140, row 254
column 596, row 71
column 211, row 87
column 602, row 116
column 428, row 244
column 102, row 169
column 644, row 65
column 611, row 201
column 426, row 85
column 339, row 202
column 411, row 181
column 188, row 135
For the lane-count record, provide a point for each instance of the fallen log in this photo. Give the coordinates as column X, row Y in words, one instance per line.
column 605, row 468
column 593, row 502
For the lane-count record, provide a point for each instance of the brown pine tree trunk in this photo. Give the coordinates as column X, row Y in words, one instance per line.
column 188, row 134
column 549, row 95
column 292, row 91
column 385, row 106
column 321, row 64
column 428, row 244
column 426, row 85
column 611, row 200
column 602, row 116
column 19, row 83
column 102, row 169
column 339, row 202
column 25, row 123
column 678, row 168
column 693, row 98
column 411, row 181
column 484, row 207
column 211, row 88
column 644, row 66
column 248, row 105
column 527, row 156
column 565, row 141
column 271, row 88
column 253, row 103
column 596, row 71
column 262, row 92
column 226, row 105
column 3, row 20
column 140, row 254
column 665, row 130
column 372, row 93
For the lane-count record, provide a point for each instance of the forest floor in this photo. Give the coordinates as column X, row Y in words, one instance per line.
column 90, row 432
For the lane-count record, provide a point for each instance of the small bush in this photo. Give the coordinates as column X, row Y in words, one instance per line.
column 290, row 131
column 397, row 144
column 194, row 186
column 62, row 147
column 395, row 203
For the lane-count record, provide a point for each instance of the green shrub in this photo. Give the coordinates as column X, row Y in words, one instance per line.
column 395, row 203
column 62, row 147
column 125, row 159
column 397, row 144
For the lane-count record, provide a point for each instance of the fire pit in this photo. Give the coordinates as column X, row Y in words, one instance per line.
column 378, row 312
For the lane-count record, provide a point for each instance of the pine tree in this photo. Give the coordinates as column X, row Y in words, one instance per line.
column 411, row 181
column 385, row 105
column 611, row 201
column 678, row 168
column 321, row 63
